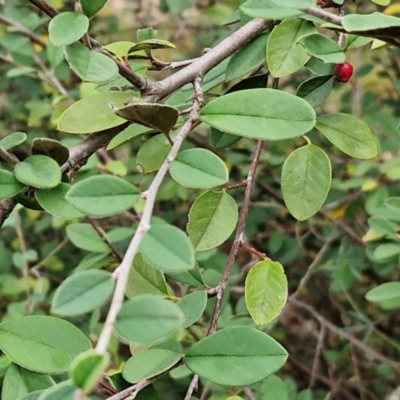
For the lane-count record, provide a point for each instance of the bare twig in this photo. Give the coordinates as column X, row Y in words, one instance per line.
column 122, row 272
column 131, row 392
column 325, row 15
column 193, row 387
column 236, row 186
column 252, row 250
column 317, row 355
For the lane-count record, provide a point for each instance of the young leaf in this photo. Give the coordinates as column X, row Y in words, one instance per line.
column 91, row 7
column 212, row 219
column 82, row 292
column 266, row 291
column 41, row 343
column 265, row 114
column 149, row 363
column 168, row 248
column 236, row 356
column 148, row 318
column 102, row 196
column 39, row 171
column 284, row 55
column 9, row 186
column 199, row 168
column 67, row 28
column 349, row 134
column 306, row 179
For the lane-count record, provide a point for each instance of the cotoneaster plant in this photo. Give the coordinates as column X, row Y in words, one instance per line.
column 343, row 72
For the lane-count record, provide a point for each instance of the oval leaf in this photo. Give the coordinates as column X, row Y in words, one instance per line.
column 168, row 248
column 199, row 168
column 315, row 90
column 193, row 306
column 306, row 179
column 92, row 114
column 41, row 343
column 102, row 196
column 9, row 186
column 39, row 171
column 265, row 114
column 152, row 154
column 91, row 7
column 148, row 318
column 85, row 237
column 386, row 291
column 82, row 292
column 51, row 148
column 149, row 363
column 236, row 356
column 349, row 134
column 212, row 219
column 266, row 291
column 67, row 27
column 12, row 140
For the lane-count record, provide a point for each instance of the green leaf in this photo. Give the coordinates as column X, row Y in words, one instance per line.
column 90, row 65
column 91, row 7
column 323, row 48
column 51, row 148
column 144, row 279
column 39, row 171
column 9, row 186
column 199, row 168
column 19, row 381
column 12, row 140
column 384, row 292
column 168, row 248
column 193, row 306
column 67, row 28
column 354, row 41
column 92, row 114
column 266, row 291
column 133, row 131
column 386, row 251
column 87, row 369
column 152, row 44
column 248, row 58
column 178, row 6
column 393, row 203
column 41, row 343
column 315, row 90
column 54, row 202
column 152, row 154
column 120, row 48
column 261, row 9
column 306, row 179
column 349, row 134
column 82, row 292
column 265, row 114
column 159, row 117
column 368, row 22
column 145, row 34
column 85, row 237
column 236, row 356
column 103, row 195
column 148, row 318
column 212, row 219
column 149, row 363
column 284, row 55
column 301, row 4
column 64, row 390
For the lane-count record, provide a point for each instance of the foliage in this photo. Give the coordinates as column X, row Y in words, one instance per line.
column 132, row 263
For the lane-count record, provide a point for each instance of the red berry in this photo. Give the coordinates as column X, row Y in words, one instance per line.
column 343, row 72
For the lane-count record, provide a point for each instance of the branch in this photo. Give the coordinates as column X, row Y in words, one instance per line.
column 132, row 391
column 325, row 15
column 122, row 272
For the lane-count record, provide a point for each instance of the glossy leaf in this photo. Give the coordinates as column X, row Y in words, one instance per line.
column 212, row 219
column 168, row 248
column 41, row 343
column 284, row 55
column 266, row 291
column 67, row 28
column 82, row 292
column 148, row 318
column 90, row 65
column 149, row 363
column 91, row 7
column 92, row 114
column 152, row 154
column 9, row 185
column 265, row 114
column 85, row 237
column 102, row 196
column 199, row 168
column 87, row 369
column 38, row 171
column 315, row 90
column 323, row 48
column 349, row 134
column 236, row 356
column 51, row 148
column 12, row 140
column 193, row 306
column 144, row 279
column 306, row 179
column 54, row 202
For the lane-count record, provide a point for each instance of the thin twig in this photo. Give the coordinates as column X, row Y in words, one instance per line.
column 41, row 263
column 317, row 355
column 236, row 186
column 131, row 392
column 325, row 15
column 193, row 387
column 252, row 250
column 122, row 272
